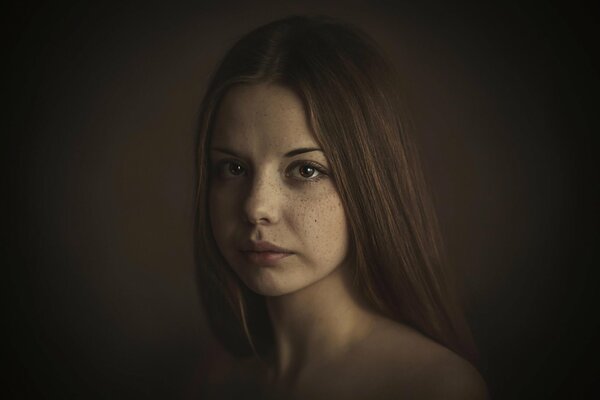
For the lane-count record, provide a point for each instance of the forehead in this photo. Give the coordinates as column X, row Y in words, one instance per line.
column 262, row 115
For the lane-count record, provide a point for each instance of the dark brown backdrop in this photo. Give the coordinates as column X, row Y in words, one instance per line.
column 100, row 275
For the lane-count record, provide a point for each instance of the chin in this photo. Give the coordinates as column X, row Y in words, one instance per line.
column 266, row 286
column 269, row 291
column 272, row 280
column 286, row 277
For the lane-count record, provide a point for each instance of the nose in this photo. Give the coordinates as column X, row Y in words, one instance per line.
column 260, row 204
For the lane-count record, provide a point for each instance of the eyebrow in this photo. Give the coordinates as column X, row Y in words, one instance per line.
column 290, row 153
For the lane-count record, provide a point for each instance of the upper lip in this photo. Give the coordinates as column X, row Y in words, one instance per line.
column 262, row 246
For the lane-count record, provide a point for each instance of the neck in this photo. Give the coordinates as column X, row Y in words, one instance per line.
column 316, row 324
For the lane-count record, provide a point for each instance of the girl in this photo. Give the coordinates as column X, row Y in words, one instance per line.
column 317, row 248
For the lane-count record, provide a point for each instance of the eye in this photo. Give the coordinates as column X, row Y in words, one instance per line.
column 307, row 171
column 235, row 168
column 230, row 169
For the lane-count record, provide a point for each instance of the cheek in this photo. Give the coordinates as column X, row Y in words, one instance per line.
column 221, row 213
column 324, row 229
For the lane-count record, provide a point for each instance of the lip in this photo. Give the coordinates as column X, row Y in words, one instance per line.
column 263, row 252
column 263, row 246
column 264, row 257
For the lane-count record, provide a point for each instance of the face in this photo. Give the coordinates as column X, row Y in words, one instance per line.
column 270, row 185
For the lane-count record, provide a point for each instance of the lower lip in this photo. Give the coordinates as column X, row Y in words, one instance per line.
column 264, row 257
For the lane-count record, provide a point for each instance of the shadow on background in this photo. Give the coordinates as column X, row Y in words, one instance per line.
column 102, row 301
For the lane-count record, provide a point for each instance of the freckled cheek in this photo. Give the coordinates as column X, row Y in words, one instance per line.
column 322, row 225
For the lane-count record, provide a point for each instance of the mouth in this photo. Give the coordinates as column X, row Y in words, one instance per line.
column 263, row 252
column 264, row 257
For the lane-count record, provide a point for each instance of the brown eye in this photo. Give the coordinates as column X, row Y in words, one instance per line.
column 235, row 168
column 307, row 171
column 228, row 169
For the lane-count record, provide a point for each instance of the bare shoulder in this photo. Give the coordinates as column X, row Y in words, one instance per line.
column 451, row 377
column 420, row 368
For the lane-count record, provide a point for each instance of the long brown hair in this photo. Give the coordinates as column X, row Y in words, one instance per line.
column 350, row 92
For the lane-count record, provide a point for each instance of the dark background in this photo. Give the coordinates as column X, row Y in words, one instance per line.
column 103, row 101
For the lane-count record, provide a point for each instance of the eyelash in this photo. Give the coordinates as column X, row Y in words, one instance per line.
column 322, row 173
column 318, row 168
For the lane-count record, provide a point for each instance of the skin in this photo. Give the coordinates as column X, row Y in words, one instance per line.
column 267, row 197
column 328, row 343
